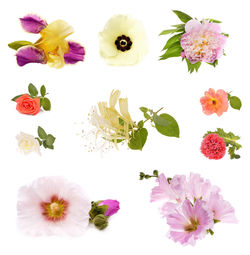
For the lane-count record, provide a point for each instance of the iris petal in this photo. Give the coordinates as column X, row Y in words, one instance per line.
column 33, row 24
column 30, row 54
column 76, row 53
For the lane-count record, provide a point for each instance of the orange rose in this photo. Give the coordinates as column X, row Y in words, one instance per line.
column 28, row 105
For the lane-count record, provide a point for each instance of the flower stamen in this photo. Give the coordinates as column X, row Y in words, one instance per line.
column 123, row 43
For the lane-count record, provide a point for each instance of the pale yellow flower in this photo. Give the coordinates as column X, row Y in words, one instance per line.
column 123, row 41
column 111, row 124
column 27, row 143
column 53, row 42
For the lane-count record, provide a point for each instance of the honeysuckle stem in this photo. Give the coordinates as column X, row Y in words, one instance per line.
column 151, row 119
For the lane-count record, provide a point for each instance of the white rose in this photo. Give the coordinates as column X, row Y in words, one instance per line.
column 27, row 143
column 123, row 41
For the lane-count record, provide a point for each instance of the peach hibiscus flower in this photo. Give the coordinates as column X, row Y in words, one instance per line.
column 214, row 102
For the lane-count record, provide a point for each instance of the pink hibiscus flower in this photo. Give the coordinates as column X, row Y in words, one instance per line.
column 189, row 222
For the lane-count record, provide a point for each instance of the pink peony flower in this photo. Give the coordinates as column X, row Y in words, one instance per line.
column 222, row 210
column 172, row 189
column 189, row 222
column 113, row 206
column 214, row 102
column 202, row 42
column 213, row 146
column 52, row 206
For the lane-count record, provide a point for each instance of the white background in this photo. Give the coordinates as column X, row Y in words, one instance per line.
column 138, row 227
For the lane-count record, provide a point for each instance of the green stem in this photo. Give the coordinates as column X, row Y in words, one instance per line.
column 154, row 113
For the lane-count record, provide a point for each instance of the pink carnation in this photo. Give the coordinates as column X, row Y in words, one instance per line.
column 202, row 42
column 213, row 146
column 214, row 102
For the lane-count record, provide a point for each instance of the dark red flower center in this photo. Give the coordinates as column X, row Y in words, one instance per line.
column 123, row 43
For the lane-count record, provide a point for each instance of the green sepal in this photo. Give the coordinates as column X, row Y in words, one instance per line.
column 214, row 64
column 16, row 97
column 96, row 209
column 18, row 44
column 166, row 125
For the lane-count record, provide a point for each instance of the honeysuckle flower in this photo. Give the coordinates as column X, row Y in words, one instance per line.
column 191, row 206
column 111, row 124
column 190, row 222
column 123, row 41
column 214, row 102
column 52, row 47
column 27, row 143
column 113, row 206
column 53, row 206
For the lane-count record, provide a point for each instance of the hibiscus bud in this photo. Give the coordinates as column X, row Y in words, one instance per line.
column 113, row 206
column 100, row 221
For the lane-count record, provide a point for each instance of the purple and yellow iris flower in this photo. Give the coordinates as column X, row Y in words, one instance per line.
column 51, row 48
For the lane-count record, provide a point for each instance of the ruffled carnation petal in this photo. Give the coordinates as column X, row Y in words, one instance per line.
column 76, row 53
column 30, row 54
column 32, row 23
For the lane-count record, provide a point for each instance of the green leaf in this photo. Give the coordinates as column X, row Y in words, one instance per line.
column 32, row 90
column 227, row 35
column 182, row 16
column 166, row 125
column 147, row 116
column 172, row 40
column 173, row 51
column 18, row 44
column 41, row 133
column 138, row 139
column 46, row 104
column 140, row 124
column 16, row 97
column 214, row 64
column 144, row 109
column 43, row 91
column 168, row 31
column 192, row 67
column 50, row 140
column 235, row 102
column 214, row 20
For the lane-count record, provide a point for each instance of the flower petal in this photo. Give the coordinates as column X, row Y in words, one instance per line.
column 30, row 54
column 76, row 53
column 32, row 23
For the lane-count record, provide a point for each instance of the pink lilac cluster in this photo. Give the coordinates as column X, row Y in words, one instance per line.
column 202, row 42
column 191, row 206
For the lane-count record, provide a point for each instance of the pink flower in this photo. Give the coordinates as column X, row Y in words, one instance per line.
column 198, row 188
column 52, row 206
column 189, row 222
column 214, row 102
column 202, row 42
column 172, row 189
column 113, row 206
column 213, row 146
column 222, row 210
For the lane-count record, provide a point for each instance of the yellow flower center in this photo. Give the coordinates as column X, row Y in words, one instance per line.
column 55, row 210
column 192, row 225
